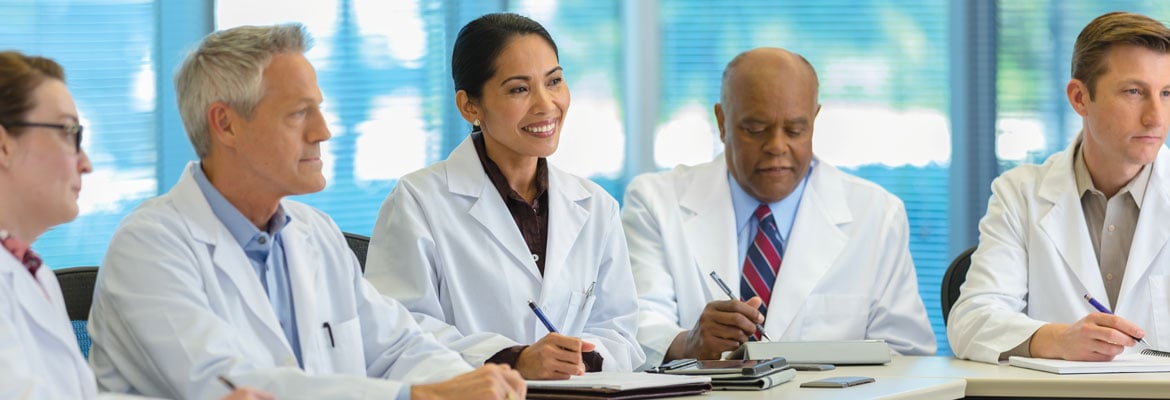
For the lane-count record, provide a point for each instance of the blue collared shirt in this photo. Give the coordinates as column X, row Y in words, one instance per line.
column 784, row 211
column 265, row 250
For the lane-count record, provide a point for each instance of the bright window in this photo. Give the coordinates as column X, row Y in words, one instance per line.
column 384, row 68
column 110, row 69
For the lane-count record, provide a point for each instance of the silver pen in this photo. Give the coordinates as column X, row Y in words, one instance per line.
column 727, row 290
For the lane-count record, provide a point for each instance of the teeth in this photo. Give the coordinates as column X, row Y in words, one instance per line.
column 540, row 129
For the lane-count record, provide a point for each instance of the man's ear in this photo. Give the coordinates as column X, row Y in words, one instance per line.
column 1078, row 96
column 222, row 123
column 467, row 108
column 719, row 121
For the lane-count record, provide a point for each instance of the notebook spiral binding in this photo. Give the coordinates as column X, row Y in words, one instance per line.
column 1157, row 353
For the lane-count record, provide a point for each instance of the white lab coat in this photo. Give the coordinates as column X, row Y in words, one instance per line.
column 39, row 356
column 1035, row 262
column 177, row 303
column 847, row 271
column 446, row 246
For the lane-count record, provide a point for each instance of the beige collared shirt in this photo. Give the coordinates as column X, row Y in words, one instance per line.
column 1111, row 221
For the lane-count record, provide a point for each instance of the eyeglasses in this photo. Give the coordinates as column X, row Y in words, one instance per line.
column 73, row 130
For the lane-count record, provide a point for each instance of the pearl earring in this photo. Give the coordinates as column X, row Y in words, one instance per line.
column 476, row 122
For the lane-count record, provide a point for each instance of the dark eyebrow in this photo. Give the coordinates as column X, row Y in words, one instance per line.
column 526, row 78
column 796, row 121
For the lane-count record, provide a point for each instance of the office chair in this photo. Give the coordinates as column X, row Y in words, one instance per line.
column 77, row 289
column 359, row 244
column 953, row 280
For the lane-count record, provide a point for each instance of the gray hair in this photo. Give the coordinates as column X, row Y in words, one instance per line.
column 228, row 67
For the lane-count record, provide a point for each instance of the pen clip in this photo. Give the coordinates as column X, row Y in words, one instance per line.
column 589, row 291
column 329, row 330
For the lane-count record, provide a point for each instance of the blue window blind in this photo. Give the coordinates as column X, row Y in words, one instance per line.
column 107, row 50
column 883, row 68
column 384, row 68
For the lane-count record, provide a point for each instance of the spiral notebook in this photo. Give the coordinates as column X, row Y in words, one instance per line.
column 1140, row 362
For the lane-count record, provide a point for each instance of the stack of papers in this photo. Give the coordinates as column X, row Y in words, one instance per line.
column 1123, row 363
column 619, row 385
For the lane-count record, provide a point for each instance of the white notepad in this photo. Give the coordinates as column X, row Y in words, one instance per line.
column 1124, row 363
column 620, row 381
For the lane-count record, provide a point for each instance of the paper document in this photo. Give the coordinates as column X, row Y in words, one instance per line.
column 1123, row 363
column 621, row 381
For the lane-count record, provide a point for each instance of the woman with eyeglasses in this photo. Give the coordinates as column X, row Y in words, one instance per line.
column 41, row 163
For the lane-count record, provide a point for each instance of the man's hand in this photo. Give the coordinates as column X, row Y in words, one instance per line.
column 248, row 394
column 723, row 326
column 554, row 356
column 491, row 381
column 1096, row 337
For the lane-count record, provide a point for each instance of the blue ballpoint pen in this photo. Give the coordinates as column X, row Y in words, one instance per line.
column 1101, row 307
column 727, row 290
column 540, row 315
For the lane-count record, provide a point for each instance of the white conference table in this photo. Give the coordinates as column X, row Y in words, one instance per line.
column 950, row 378
column 1006, row 381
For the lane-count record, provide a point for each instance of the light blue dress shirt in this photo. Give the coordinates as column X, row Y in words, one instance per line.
column 265, row 249
column 783, row 211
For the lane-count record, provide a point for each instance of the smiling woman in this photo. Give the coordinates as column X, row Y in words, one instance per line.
column 533, row 233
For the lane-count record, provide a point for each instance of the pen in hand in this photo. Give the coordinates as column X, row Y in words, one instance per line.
column 1101, row 307
column 727, row 290
column 540, row 315
column 231, row 386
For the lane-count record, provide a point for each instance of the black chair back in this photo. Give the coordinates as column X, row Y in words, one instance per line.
column 953, row 280
column 77, row 289
column 359, row 244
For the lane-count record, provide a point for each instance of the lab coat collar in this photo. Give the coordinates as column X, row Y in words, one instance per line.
column 466, row 177
column 1064, row 224
column 1063, row 221
column 228, row 256
column 709, row 226
column 48, row 312
column 1152, row 232
column 566, row 219
column 816, row 241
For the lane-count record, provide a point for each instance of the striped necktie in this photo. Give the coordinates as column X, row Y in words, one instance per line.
column 763, row 260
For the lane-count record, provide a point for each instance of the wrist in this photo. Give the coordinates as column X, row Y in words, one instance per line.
column 678, row 347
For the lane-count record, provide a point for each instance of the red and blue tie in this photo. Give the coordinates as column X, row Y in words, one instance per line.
column 763, row 260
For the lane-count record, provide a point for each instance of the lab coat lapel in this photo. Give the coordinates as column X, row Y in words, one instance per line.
column 465, row 176
column 48, row 314
column 709, row 225
column 1152, row 232
column 226, row 254
column 1064, row 224
column 303, row 258
column 815, row 242
column 566, row 219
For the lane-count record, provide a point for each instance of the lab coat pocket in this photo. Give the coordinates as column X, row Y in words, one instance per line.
column 342, row 342
column 1160, row 302
column 835, row 317
column 580, row 305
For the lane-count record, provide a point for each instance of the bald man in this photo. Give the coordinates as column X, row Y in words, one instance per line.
column 809, row 251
